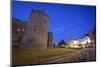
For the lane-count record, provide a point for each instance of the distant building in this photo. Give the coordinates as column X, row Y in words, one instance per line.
column 50, row 40
column 74, row 44
column 80, row 43
column 36, row 31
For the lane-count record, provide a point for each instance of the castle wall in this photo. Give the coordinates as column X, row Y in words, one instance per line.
column 50, row 40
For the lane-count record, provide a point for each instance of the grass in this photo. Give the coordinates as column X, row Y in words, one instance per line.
column 25, row 56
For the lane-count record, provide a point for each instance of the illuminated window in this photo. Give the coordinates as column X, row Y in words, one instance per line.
column 87, row 39
column 18, row 30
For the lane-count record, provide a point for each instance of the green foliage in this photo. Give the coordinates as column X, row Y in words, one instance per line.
column 62, row 42
column 64, row 46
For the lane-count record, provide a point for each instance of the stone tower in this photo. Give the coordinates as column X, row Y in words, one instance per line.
column 36, row 31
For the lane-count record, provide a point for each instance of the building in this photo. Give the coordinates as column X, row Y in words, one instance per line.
column 92, row 35
column 74, row 44
column 50, row 40
column 36, row 31
column 81, row 43
column 17, row 31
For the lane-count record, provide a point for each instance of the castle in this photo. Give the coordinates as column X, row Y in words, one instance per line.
column 35, row 34
column 36, row 31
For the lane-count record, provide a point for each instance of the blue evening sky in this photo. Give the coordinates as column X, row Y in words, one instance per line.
column 66, row 21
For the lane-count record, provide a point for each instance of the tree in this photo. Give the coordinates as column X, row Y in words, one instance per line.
column 62, row 42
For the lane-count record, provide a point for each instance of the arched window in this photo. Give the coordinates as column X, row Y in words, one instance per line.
column 87, row 39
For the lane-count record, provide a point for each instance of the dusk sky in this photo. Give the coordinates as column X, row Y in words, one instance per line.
column 65, row 21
